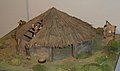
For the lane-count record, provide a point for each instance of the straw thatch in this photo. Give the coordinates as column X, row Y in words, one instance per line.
column 59, row 29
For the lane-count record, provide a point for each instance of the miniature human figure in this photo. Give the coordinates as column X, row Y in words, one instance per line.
column 21, row 22
column 109, row 30
column 40, row 24
column 36, row 28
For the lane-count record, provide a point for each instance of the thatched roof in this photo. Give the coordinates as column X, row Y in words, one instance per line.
column 59, row 29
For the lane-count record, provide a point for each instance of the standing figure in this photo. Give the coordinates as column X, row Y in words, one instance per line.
column 109, row 30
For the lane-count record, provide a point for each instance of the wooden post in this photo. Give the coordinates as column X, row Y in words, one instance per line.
column 18, row 47
column 51, row 54
column 73, row 51
column 114, row 32
column 27, row 49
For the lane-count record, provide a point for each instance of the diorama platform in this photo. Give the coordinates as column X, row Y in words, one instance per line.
column 102, row 57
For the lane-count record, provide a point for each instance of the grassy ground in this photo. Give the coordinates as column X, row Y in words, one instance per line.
column 98, row 60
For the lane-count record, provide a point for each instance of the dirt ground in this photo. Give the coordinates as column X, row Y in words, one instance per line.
column 9, row 50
